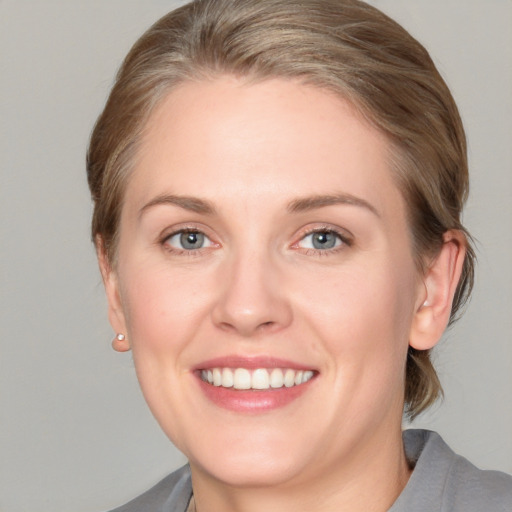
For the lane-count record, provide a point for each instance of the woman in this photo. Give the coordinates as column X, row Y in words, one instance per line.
column 278, row 189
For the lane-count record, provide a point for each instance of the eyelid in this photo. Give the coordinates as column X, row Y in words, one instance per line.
column 180, row 227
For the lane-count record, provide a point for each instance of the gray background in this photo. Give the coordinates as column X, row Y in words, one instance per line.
column 75, row 433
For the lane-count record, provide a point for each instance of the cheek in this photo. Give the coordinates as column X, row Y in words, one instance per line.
column 164, row 311
column 360, row 298
column 362, row 318
column 162, row 307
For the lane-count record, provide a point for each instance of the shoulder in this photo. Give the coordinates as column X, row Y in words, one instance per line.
column 171, row 494
column 445, row 481
column 467, row 486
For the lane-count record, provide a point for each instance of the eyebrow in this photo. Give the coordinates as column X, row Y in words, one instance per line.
column 192, row 204
column 304, row 204
column 301, row 204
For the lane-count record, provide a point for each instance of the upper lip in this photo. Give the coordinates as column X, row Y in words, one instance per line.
column 251, row 363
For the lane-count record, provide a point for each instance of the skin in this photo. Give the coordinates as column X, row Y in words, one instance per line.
column 258, row 288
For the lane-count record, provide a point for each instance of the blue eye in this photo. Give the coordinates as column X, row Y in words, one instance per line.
column 188, row 240
column 321, row 240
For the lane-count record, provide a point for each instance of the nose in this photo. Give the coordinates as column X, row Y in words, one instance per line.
column 252, row 296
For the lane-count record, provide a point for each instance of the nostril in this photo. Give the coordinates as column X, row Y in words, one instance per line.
column 266, row 326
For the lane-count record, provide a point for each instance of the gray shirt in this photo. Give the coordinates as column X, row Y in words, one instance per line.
column 441, row 482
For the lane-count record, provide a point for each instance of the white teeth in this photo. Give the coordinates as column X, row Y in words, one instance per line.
column 242, row 379
column 289, row 378
column 308, row 375
column 217, row 377
column 276, row 378
column 227, row 378
column 261, row 378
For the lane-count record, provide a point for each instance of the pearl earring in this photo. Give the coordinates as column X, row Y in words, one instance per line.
column 120, row 343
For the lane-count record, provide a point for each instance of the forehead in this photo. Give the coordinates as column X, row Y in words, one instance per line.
column 271, row 139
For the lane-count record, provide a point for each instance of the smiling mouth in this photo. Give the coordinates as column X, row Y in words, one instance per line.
column 257, row 379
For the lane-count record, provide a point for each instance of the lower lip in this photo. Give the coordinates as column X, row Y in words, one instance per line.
column 252, row 400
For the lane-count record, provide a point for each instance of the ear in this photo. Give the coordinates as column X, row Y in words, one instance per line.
column 115, row 310
column 439, row 285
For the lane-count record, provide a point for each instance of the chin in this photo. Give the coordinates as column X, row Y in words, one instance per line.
column 262, row 471
column 251, row 462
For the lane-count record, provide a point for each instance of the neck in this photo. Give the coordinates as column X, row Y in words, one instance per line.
column 369, row 480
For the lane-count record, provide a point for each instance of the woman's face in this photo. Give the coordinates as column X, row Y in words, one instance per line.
column 264, row 247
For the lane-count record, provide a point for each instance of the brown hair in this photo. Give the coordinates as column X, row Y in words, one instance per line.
column 345, row 46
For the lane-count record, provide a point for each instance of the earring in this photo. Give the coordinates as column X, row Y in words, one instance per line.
column 119, row 343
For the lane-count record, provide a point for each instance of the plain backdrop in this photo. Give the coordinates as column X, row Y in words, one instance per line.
column 75, row 434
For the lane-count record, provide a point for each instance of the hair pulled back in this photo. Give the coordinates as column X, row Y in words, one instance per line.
column 344, row 46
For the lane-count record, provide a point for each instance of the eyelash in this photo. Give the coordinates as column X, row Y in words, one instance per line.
column 346, row 241
column 163, row 241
